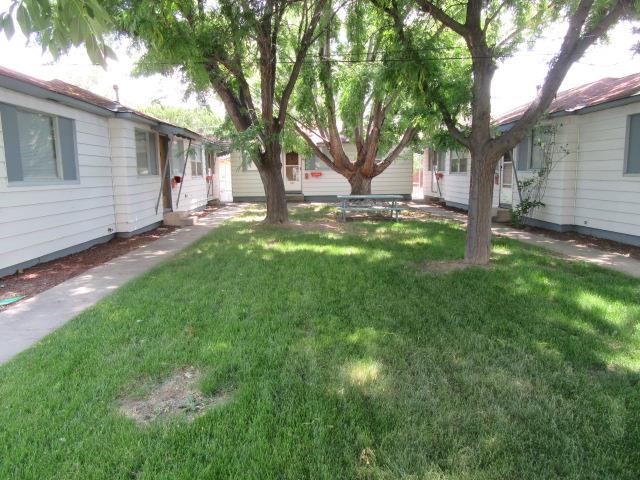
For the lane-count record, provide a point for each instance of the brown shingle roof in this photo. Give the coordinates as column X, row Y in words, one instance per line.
column 63, row 88
column 595, row 93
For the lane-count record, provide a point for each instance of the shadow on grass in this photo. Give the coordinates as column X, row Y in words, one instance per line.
column 347, row 362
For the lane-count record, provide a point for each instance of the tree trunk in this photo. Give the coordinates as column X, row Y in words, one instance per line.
column 478, row 243
column 271, row 175
column 360, row 185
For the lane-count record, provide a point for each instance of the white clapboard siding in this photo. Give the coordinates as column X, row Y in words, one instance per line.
column 396, row 179
column 455, row 186
column 135, row 195
column 559, row 194
column 244, row 183
column 193, row 194
column 606, row 198
column 38, row 220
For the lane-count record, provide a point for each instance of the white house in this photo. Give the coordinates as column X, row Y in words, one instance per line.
column 77, row 169
column 594, row 185
column 308, row 178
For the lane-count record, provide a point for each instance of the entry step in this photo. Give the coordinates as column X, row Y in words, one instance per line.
column 503, row 215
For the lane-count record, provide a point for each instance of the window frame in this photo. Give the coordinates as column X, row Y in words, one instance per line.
column 174, row 151
column 196, row 160
column 627, row 146
column 149, row 137
column 317, row 162
column 459, row 157
column 531, row 148
column 65, row 149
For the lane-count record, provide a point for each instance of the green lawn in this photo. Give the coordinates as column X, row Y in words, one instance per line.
column 344, row 360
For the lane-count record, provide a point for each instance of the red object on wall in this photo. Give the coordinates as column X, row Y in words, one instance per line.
column 316, row 174
column 177, row 179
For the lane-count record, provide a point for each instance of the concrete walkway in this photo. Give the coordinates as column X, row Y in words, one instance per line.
column 27, row 322
column 569, row 249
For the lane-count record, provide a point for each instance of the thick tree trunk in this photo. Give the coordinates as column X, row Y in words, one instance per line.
column 360, row 184
column 478, row 244
column 271, row 175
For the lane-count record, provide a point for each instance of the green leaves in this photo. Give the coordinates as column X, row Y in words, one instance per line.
column 59, row 24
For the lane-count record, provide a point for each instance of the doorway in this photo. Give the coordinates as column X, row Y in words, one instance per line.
column 506, row 180
column 292, row 174
column 165, row 171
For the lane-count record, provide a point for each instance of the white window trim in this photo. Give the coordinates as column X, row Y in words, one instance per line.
column 458, row 157
column 148, row 135
column 197, row 160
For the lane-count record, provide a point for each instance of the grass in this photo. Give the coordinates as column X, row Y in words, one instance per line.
column 345, row 360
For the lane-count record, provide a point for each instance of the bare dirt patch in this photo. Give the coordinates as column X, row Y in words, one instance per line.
column 447, row 266
column 177, row 396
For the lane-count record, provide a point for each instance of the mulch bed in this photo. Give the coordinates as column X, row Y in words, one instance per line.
column 46, row 275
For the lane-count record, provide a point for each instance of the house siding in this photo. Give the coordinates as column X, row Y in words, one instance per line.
column 135, row 195
column 560, row 192
column 587, row 190
column 606, row 198
column 38, row 220
column 453, row 186
column 396, row 179
column 193, row 194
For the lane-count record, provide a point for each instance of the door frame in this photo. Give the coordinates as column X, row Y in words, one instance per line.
column 296, row 184
column 506, row 159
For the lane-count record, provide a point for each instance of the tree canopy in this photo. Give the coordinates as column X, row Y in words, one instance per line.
column 249, row 52
column 58, row 25
column 352, row 91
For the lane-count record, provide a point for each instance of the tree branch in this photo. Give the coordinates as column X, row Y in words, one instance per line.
column 305, row 43
column 453, row 129
column 436, row 12
column 573, row 47
column 408, row 135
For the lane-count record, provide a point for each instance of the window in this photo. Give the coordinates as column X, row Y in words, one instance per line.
column 196, row 161
column 458, row 163
column 440, row 161
column 531, row 150
column 38, row 147
column 314, row 163
column 177, row 158
column 632, row 157
column 211, row 162
column 146, row 152
column 248, row 164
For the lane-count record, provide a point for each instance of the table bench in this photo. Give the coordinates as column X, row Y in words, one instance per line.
column 370, row 204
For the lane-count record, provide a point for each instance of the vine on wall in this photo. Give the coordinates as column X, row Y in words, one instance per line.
column 532, row 190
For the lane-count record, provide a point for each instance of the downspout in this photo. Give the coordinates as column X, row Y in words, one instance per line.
column 575, row 172
column 113, row 185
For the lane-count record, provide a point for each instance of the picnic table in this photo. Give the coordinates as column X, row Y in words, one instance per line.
column 370, row 204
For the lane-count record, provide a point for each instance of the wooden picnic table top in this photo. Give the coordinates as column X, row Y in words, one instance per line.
column 370, row 197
